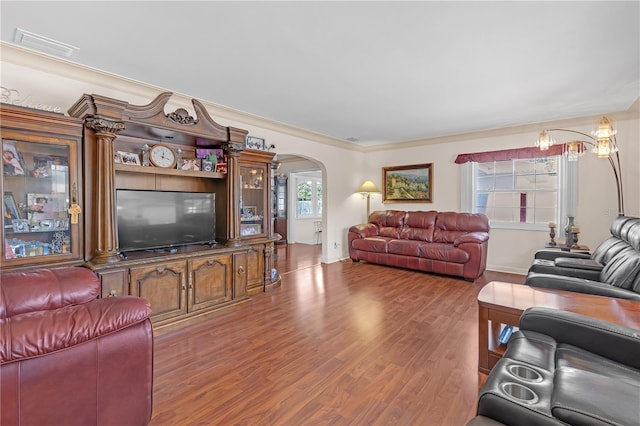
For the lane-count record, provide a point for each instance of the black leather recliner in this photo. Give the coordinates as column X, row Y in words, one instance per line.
column 563, row 368
column 612, row 270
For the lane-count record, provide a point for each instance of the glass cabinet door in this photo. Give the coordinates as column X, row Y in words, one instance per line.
column 38, row 193
column 254, row 185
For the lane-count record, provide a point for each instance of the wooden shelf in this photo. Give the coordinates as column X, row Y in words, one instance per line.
column 170, row 172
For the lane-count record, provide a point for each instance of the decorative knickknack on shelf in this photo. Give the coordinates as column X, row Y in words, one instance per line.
column 552, row 235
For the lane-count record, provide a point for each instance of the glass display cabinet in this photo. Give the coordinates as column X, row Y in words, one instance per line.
column 42, row 206
column 254, row 186
column 280, row 208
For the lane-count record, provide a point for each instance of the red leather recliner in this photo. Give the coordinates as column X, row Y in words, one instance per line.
column 67, row 358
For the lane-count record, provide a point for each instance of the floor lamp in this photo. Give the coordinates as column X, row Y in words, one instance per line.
column 603, row 141
column 366, row 189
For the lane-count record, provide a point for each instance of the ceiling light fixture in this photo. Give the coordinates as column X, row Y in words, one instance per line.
column 43, row 44
column 603, row 141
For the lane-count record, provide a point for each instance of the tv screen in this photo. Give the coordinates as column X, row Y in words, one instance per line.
column 161, row 219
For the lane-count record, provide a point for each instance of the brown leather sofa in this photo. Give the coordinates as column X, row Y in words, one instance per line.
column 67, row 358
column 447, row 243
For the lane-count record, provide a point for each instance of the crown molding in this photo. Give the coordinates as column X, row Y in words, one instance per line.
column 21, row 56
column 632, row 113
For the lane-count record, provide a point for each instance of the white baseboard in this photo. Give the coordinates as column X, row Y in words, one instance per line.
column 507, row 270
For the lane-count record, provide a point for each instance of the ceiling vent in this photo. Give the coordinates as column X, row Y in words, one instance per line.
column 43, row 44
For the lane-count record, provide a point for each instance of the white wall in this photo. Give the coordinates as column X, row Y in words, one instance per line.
column 52, row 81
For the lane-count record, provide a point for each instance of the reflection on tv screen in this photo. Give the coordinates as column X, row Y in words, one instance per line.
column 160, row 219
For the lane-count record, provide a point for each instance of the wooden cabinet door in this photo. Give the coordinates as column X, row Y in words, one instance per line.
column 240, row 275
column 164, row 286
column 255, row 269
column 210, row 281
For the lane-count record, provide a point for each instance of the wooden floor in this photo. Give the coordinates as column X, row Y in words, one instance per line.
column 344, row 343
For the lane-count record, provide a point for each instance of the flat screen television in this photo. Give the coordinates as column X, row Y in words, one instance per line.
column 162, row 219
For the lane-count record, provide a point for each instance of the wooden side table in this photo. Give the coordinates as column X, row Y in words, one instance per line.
column 561, row 247
column 503, row 303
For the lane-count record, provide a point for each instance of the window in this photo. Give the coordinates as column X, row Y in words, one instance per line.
column 525, row 193
column 309, row 197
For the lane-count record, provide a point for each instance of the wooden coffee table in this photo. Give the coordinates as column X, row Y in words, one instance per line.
column 503, row 303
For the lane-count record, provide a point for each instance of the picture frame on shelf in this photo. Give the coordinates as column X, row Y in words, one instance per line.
column 45, row 206
column 253, row 142
column 221, row 168
column 191, row 164
column 249, row 212
column 12, row 161
column 61, row 224
column 20, row 225
column 207, row 165
column 214, row 154
column 129, row 158
column 408, row 184
column 11, row 210
column 43, row 165
column 250, row 229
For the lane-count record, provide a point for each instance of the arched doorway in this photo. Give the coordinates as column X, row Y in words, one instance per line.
column 305, row 216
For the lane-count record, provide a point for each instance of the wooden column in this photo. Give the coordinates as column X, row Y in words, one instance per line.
column 104, row 177
column 233, row 150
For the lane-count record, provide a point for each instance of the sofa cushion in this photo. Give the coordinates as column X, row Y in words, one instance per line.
column 405, row 247
column 374, row 244
column 623, row 270
column 444, row 252
column 387, row 218
column 574, row 357
column 451, row 225
column 46, row 289
column 419, row 226
column 576, row 390
column 389, row 222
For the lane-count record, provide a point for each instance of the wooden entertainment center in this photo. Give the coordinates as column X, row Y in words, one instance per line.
column 103, row 147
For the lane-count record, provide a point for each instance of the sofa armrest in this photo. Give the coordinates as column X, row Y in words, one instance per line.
column 365, row 230
column 554, row 254
column 612, row 341
column 578, row 285
column 577, row 263
column 541, row 266
column 46, row 289
column 472, row 237
column 35, row 334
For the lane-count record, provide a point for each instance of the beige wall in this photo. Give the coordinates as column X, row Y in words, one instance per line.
column 54, row 82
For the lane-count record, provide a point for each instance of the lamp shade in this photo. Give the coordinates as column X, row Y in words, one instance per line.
column 368, row 187
column 544, row 141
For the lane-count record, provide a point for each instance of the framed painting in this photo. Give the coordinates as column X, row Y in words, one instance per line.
column 408, row 184
column 253, row 142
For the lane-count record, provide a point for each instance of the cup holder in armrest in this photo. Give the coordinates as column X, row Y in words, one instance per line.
column 525, row 373
column 519, row 392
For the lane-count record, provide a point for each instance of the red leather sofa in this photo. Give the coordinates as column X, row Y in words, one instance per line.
column 447, row 243
column 67, row 358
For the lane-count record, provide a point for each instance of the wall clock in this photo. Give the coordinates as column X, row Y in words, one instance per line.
column 162, row 156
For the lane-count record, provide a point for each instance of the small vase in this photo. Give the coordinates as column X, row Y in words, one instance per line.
column 568, row 238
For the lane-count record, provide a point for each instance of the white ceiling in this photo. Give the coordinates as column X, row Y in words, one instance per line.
column 380, row 72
